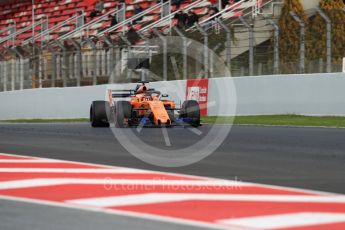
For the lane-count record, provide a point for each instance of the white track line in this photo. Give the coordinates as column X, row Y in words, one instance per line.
column 20, row 156
column 289, row 220
column 30, row 161
column 195, row 131
column 152, row 198
column 109, row 182
column 74, row 170
column 166, row 136
column 7, row 154
column 115, row 201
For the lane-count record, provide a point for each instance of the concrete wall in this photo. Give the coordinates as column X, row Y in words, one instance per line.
column 316, row 94
column 49, row 102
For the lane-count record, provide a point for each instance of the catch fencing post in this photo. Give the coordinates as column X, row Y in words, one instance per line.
column 144, row 72
column 165, row 53
column 94, row 59
column 78, row 64
column 227, row 43
column 12, row 64
column 129, row 53
column 40, row 65
column 302, row 41
column 64, row 62
column 98, row 58
column 1, row 75
column 13, row 74
column 251, row 45
column 54, row 67
column 117, row 62
column 110, row 60
column 276, row 68
column 329, row 39
column 184, row 52
column 212, row 60
column 206, row 54
column 21, row 67
column 4, row 65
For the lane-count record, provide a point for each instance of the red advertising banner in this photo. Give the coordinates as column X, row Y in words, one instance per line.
column 197, row 89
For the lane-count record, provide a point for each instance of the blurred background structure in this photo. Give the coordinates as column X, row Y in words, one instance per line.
column 63, row 43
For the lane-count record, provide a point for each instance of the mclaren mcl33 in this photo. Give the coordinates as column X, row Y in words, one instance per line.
column 143, row 107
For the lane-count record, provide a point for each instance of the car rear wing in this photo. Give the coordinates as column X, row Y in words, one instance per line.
column 112, row 94
column 122, row 93
column 125, row 93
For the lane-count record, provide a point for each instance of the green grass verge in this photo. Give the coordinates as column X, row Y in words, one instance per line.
column 281, row 120
column 285, row 120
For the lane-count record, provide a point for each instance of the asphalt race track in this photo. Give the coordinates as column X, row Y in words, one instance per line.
column 309, row 158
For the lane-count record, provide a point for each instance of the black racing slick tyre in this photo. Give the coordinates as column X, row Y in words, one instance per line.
column 123, row 111
column 171, row 114
column 191, row 109
column 98, row 114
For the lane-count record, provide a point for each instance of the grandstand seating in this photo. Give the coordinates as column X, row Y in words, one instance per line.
column 58, row 11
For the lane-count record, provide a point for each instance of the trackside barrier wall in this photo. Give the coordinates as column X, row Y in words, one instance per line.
column 306, row 94
column 314, row 94
column 71, row 102
column 49, row 102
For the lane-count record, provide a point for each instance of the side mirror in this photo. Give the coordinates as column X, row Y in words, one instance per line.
column 165, row 95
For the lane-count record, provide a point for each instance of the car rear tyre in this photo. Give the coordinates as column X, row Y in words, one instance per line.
column 170, row 112
column 98, row 114
column 191, row 110
column 123, row 111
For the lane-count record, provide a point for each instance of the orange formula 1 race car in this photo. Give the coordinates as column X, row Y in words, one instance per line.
column 143, row 107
